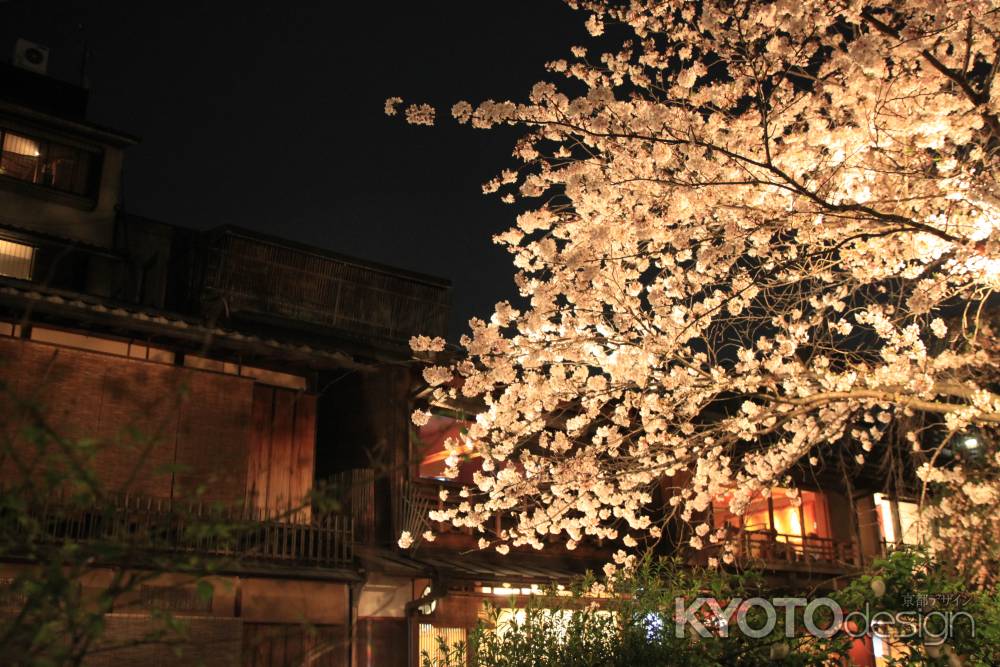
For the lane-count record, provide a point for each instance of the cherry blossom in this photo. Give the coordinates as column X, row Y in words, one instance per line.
column 756, row 236
column 405, row 540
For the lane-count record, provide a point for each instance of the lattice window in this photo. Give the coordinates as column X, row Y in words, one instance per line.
column 432, row 637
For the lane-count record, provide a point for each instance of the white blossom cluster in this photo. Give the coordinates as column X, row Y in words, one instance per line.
column 763, row 233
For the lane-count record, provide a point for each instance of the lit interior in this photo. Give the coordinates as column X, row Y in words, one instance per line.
column 16, row 260
column 908, row 513
column 887, row 527
column 791, row 522
column 429, row 636
column 507, row 590
column 430, row 445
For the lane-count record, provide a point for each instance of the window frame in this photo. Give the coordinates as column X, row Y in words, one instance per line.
column 44, row 140
column 821, row 501
column 31, row 262
column 899, row 536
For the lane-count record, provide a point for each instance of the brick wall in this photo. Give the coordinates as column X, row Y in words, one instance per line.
column 148, row 418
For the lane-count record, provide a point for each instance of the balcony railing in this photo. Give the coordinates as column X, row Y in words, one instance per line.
column 355, row 490
column 263, row 277
column 777, row 550
column 420, row 496
column 159, row 526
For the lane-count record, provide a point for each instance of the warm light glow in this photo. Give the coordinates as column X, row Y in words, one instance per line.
column 507, row 590
column 787, row 522
column 884, row 507
column 559, row 619
column 534, row 589
column 970, row 443
column 428, row 636
column 808, row 518
column 16, row 260
column 18, row 145
column 431, row 444
column 909, row 514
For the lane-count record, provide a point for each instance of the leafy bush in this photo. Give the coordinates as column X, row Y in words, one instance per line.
column 633, row 624
column 910, row 582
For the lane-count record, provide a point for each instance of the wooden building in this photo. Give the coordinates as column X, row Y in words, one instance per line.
column 229, row 369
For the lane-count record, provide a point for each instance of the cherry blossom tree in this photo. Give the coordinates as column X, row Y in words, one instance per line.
column 756, row 236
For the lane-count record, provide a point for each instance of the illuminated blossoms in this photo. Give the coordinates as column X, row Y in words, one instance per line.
column 763, row 235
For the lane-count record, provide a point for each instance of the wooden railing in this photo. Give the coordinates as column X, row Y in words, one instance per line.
column 773, row 548
column 760, row 547
column 278, row 279
column 160, row 526
column 355, row 491
column 421, row 496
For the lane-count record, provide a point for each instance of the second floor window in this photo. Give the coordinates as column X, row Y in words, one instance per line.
column 781, row 514
column 47, row 163
column 897, row 520
column 16, row 260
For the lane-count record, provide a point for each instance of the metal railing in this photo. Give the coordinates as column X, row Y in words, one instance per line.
column 160, row 526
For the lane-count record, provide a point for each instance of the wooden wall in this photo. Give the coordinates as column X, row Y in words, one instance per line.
column 283, row 644
column 161, row 430
column 381, row 642
column 282, row 450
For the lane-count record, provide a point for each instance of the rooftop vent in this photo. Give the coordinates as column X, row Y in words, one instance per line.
column 32, row 57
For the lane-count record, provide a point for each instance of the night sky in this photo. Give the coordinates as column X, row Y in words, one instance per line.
column 270, row 117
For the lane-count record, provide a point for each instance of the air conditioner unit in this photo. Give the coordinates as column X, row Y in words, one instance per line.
column 30, row 56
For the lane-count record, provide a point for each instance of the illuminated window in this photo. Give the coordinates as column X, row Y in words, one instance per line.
column 780, row 514
column 897, row 520
column 432, row 637
column 16, row 260
column 506, row 590
column 54, row 165
column 430, row 448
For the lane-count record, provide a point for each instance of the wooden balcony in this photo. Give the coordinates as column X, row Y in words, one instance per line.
column 777, row 551
column 260, row 277
column 154, row 526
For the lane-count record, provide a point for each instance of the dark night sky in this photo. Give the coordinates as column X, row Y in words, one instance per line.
column 269, row 116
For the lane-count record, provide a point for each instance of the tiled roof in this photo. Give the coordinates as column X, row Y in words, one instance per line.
column 34, row 300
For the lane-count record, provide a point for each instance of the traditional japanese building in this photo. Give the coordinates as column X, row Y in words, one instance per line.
column 240, row 371
column 212, row 369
